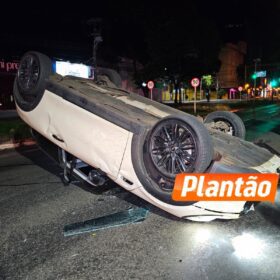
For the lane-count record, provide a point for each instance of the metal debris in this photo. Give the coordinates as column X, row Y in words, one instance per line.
column 130, row 216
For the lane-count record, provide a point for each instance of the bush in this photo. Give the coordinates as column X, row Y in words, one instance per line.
column 221, row 93
column 13, row 130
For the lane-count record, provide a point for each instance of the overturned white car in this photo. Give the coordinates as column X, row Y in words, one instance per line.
column 99, row 130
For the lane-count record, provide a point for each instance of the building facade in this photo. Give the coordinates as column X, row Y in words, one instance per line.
column 7, row 75
column 231, row 56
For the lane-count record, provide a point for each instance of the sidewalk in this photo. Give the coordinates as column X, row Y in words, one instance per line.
column 11, row 145
column 6, row 141
column 205, row 101
column 8, row 114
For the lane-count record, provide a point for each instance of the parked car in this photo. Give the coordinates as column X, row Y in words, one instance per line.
column 97, row 130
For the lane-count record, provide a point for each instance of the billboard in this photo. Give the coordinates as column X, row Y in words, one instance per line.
column 260, row 74
column 64, row 68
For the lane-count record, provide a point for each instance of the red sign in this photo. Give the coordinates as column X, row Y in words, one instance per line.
column 150, row 85
column 195, row 82
column 8, row 66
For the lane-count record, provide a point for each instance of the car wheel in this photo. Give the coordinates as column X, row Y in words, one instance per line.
column 30, row 83
column 113, row 76
column 227, row 122
column 176, row 144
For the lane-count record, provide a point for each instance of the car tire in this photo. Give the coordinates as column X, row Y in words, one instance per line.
column 188, row 147
column 30, row 83
column 235, row 123
column 113, row 76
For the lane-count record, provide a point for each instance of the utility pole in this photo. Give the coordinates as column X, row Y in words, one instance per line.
column 256, row 60
column 200, row 88
column 245, row 74
column 95, row 24
column 217, row 86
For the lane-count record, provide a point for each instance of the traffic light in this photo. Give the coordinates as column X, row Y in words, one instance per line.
column 254, row 76
column 273, row 83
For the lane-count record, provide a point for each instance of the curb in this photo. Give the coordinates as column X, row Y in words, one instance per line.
column 23, row 143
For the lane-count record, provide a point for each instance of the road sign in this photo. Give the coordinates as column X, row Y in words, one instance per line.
column 260, row 74
column 195, row 82
column 150, row 85
column 240, row 88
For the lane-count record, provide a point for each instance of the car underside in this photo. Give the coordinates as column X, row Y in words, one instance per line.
column 96, row 130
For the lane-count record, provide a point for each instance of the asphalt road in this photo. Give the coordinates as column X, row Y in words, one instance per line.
column 35, row 206
column 261, row 120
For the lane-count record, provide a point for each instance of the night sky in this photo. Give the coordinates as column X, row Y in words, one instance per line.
column 60, row 30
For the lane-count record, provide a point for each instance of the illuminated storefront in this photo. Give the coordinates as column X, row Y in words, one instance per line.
column 8, row 71
column 7, row 74
column 73, row 69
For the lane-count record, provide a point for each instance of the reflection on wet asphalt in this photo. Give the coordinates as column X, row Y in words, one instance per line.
column 261, row 120
column 32, row 244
